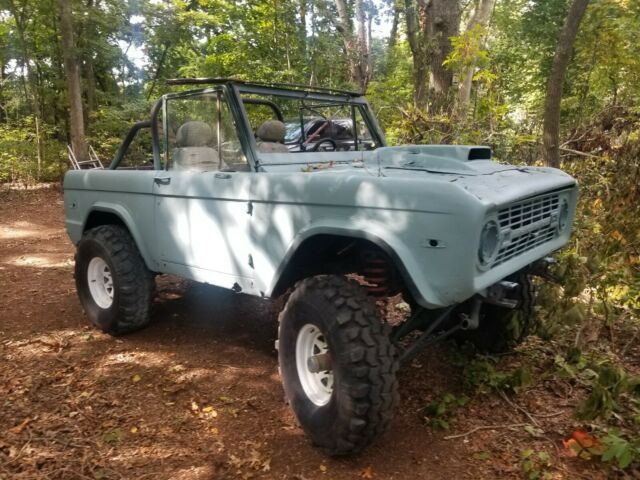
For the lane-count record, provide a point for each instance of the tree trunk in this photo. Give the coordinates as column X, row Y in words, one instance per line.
column 419, row 52
column 72, row 72
column 430, row 24
column 89, row 72
column 302, row 5
column 443, row 22
column 551, row 129
column 393, row 35
column 355, row 46
column 90, row 77
column 345, row 28
column 481, row 17
column 362, row 55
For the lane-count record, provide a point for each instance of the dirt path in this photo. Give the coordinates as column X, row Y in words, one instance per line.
column 196, row 395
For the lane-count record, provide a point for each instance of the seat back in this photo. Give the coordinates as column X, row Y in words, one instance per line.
column 271, row 137
column 193, row 150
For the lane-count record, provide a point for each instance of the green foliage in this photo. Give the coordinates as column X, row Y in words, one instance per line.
column 468, row 51
column 437, row 413
column 621, row 450
column 480, row 373
column 18, row 158
column 607, row 387
column 536, row 464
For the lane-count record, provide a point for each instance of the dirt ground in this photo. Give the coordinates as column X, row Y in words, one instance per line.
column 196, row 396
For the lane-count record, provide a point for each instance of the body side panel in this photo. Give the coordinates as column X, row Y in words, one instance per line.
column 127, row 194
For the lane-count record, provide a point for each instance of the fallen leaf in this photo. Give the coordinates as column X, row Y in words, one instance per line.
column 210, row 411
column 367, row 473
column 21, row 426
column 113, row 436
column 134, row 429
column 136, row 378
column 214, row 430
column 534, row 431
column 482, row 455
column 582, row 444
column 616, row 235
column 323, row 468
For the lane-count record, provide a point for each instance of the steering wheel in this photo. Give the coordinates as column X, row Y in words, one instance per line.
column 326, row 145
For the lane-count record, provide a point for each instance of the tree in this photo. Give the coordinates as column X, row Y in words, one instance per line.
column 551, row 128
column 356, row 46
column 72, row 72
column 430, row 26
column 480, row 18
column 444, row 23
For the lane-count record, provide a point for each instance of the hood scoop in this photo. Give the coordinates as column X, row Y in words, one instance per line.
column 446, row 159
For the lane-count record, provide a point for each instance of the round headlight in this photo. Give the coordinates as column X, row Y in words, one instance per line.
column 563, row 216
column 489, row 242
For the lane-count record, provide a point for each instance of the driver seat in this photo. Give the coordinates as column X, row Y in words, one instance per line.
column 271, row 137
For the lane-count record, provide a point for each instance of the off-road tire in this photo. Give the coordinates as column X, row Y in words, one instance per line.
column 365, row 389
column 133, row 283
column 502, row 329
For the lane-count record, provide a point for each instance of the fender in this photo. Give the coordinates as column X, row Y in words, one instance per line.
column 123, row 214
column 356, row 234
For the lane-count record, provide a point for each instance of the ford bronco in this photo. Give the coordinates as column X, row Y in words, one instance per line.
column 223, row 200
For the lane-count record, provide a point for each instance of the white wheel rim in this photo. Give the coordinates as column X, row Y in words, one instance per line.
column 100, row 282
column 318, row 386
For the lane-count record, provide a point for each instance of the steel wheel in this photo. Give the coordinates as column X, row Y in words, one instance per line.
column 311, row 352
column 114, row 285
column 100, row 282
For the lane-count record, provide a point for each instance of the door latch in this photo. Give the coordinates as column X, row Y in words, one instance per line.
column 162, row 180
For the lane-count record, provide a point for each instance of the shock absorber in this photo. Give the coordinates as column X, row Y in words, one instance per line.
column 377, row 273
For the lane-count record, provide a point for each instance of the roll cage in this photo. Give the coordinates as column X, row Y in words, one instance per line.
column 233, row 90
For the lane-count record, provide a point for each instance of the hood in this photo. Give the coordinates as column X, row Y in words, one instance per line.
column 444, row 159
column 471, row 168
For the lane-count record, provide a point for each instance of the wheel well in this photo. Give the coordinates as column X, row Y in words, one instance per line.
column 98, row 218
column 341, row 255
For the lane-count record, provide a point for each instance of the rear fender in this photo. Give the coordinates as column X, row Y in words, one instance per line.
column 125, row 217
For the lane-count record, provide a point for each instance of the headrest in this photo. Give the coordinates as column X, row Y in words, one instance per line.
column 195, row 134
column 271, row 131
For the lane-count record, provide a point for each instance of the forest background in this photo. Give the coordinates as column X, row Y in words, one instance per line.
column 552, row 82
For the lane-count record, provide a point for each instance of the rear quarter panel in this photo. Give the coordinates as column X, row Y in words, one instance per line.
column 127, row 194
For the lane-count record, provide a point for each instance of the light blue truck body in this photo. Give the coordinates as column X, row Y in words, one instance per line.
column 426, row 206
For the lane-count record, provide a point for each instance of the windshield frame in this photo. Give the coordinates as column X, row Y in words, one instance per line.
column 359, row 102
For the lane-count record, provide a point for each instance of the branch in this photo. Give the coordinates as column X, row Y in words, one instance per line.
column 485, row 427
column 578, row 152
column 518, row 407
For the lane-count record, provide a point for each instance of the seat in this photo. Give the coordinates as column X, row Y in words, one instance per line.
column 271, row 137
column 193, row 148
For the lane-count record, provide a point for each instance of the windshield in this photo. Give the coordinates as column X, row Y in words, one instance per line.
column 293, row 125
column 293, row 131
column 286, row 124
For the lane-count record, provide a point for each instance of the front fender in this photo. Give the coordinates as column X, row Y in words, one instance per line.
column 391, row 245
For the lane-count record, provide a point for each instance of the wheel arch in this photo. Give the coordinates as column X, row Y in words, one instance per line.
column 110, row 214
column 290, row 270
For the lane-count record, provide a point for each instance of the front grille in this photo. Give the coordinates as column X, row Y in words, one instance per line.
column 527, row 224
